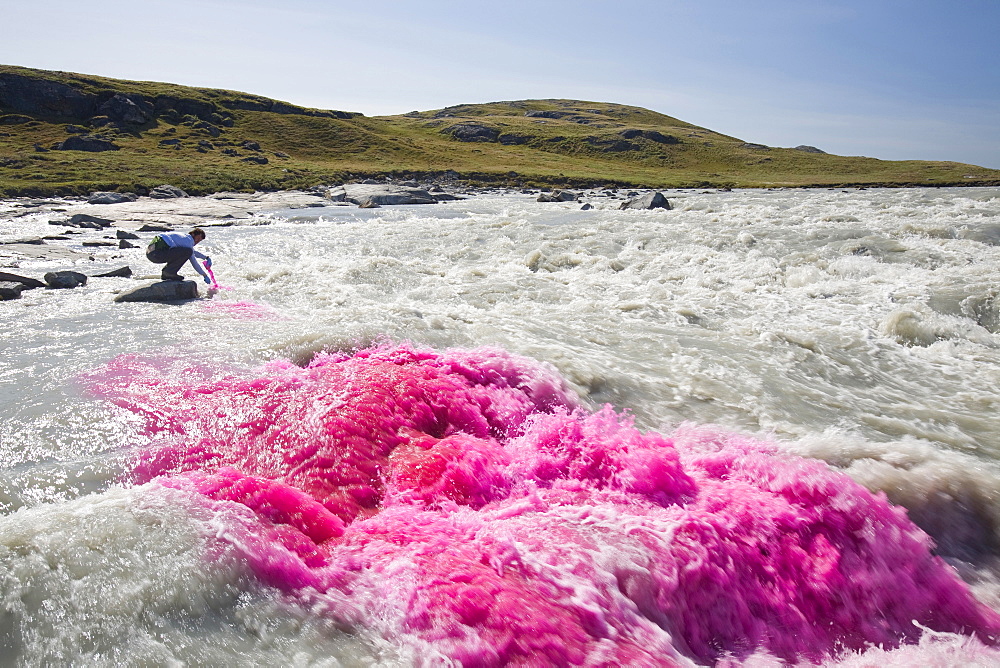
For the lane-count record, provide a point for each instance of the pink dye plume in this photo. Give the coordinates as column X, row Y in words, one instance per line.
column 462, row 504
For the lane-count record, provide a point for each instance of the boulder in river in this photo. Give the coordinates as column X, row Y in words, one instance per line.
column 77, row 219
column 24, row 280
column 65, row 279
column 647, row 201
column 558, row 196
column 163, row 291
column 10, row 290
column 384, row 194
column 120, row 272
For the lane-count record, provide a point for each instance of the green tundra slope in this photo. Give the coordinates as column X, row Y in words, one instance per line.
column 64, row 133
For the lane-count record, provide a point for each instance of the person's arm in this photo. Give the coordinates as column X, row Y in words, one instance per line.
column 197, row 266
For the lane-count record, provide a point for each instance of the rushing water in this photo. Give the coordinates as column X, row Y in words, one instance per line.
column 498, row 431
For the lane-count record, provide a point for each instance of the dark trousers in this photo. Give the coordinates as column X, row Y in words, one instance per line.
column 174, row 257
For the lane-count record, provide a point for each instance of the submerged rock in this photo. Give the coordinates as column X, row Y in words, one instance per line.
column 163, row 291
column 647, row 201
column 65, row 279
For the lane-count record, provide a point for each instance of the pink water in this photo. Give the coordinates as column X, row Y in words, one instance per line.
column 215, row 284
column 460, row 504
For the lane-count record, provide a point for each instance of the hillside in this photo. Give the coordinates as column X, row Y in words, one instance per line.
column 64, row 133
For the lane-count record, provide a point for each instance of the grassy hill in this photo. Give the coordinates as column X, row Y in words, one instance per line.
column 206, row 140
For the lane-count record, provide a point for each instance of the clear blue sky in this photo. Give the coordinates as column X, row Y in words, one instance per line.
column 891, row 79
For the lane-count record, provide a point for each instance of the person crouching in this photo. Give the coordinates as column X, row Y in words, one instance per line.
column 173, row 249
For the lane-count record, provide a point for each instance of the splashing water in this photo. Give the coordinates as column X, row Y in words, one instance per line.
column 462, row 504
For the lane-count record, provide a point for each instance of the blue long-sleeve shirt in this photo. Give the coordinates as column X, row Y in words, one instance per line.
column 175, row 239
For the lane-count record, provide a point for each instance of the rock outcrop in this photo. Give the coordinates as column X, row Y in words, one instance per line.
column 167, row 191
column 163, row 291
column 110, row 198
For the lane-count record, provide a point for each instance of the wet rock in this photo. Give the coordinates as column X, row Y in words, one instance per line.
column 120, row 272
column 78, row 220
column 167, row 192
column 65, row 279
column 647, row 201
column 368, row 203
column 24, row 280
column 124, row 243
column 10, row 290
column 152, row 227
column 122, row 234
column 163, row 291
column 586, row 207
column 110, row 198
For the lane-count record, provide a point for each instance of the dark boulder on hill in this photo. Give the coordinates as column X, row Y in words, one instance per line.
column 127, row 109
column 545, row 114
column 86, row 143
column 39, row 97
column 606, row 145
column 647, row 201
column 509, row 139
column 473, row 132
column 651, row 135
column 809, row 149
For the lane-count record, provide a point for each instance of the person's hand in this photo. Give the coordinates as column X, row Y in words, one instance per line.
column 208, row 262
column 208, row 281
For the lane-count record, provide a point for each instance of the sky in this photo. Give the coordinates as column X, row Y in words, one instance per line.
column 889, row 79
